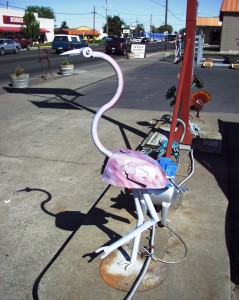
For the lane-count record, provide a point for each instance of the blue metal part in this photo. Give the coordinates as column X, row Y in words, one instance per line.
column 163, row 148
column 170, row 167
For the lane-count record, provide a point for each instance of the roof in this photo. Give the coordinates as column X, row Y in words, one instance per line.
column 78, row 32
column 83, row 28
column 215, row 22
column 230, row 6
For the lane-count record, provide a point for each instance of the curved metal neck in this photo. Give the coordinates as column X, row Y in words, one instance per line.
column 108, row 105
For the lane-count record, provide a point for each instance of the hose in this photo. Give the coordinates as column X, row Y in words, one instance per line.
column 144, row 268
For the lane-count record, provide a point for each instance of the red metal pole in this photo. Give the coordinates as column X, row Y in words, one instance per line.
column 184, row 91
column 178, row 100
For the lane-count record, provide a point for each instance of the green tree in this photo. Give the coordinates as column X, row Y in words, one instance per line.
column 114, row 26
column 43, row 12
column 169, row 28
column 139, row 30
column 182, row 31
column 154, row 29
column 32, row 27
column 64, row 25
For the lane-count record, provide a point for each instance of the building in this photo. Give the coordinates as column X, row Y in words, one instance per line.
column 222, row 31
column 84, row 32
column 11, row 21
column 229, row 15
column 210, row 28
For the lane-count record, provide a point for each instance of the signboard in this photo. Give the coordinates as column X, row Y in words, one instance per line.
column 138, row 50
column 13, row 20
column 126, row 30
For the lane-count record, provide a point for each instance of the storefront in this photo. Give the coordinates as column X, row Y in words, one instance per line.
column 12, row 20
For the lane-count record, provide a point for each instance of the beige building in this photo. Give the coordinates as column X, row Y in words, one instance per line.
column 229, row 16
column 222, row 30
column 211, row 29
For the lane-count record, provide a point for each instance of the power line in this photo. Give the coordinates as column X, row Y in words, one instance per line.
column 72, row 14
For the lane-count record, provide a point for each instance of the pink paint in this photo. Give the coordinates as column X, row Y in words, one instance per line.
column 132, row 169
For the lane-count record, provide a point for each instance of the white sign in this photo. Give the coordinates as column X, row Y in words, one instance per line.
column 126, row 31
column 138, row 50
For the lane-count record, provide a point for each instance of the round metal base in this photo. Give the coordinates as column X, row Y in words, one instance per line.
column 117, row 272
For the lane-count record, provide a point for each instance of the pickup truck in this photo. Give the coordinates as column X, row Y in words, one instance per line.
column 65, row 42
column 25, row 43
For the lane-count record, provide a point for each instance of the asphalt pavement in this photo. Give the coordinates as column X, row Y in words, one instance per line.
column 55, row 210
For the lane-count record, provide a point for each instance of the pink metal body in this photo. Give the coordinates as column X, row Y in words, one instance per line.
column 133, row 169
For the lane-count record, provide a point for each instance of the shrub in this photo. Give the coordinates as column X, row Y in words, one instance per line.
column 19, row 71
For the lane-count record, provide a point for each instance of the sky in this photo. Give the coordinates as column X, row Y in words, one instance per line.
column 81, row 12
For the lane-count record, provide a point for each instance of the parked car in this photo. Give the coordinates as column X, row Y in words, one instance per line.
column 117, row 45
column 9, row 46
column 65, row 42
column 25, row 43
column 145, row 40
column 136, row 40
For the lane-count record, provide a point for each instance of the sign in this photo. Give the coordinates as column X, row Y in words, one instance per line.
column 126, row 30
column 138, row 50
column 13, row 20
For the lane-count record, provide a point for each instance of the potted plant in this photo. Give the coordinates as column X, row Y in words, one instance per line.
column 66, row 68
column 19, row 79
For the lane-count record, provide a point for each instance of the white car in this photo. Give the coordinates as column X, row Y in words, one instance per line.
column 9, row 46
column 136, row 40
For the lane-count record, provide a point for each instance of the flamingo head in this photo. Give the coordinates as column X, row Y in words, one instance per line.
column 86, row 51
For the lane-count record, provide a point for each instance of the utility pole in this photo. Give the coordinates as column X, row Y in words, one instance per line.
column 106, row 18
column 94, row 25
column 165, row 25
column 150, row 29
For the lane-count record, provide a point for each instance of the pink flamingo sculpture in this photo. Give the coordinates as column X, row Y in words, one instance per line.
column 130, row 169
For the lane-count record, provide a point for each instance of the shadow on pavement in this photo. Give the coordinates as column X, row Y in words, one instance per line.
column 231, row 148
column 42, row 91
column 72, row 221
column 228, row 181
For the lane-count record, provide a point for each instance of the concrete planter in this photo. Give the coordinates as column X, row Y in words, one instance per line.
column 66, row 69
column 20, row 81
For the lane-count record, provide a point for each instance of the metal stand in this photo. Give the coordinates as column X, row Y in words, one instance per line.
column 45, row 56
column 118, row 276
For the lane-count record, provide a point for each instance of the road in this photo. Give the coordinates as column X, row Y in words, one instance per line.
column 148, row 93
column 32, row 65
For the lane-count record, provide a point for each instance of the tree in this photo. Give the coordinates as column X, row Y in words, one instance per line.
column 114, row 26
column 182, row 31
column 139, row 30
column 169, row 28
column 43, row 12
column 154, row 29
column 64, row 25
column 32, row 27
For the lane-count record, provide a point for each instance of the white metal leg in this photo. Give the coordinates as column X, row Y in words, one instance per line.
column 140, row 220
column 137, row 231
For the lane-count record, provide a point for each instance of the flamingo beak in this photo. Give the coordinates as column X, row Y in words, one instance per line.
column 73, row 52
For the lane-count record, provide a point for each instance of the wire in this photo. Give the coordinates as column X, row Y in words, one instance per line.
column 175, row 261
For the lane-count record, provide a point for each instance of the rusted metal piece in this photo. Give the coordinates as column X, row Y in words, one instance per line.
column 116, row 272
